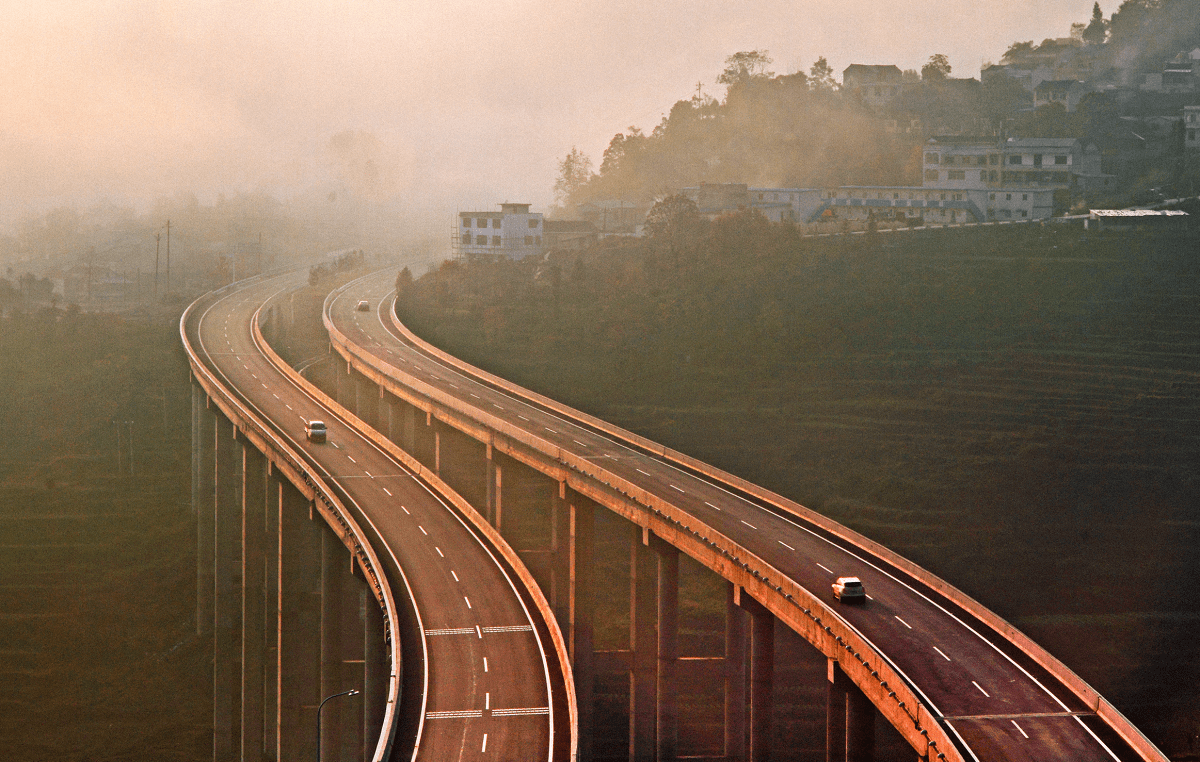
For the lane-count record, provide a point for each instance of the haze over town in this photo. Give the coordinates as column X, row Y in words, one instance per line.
column 438, row 106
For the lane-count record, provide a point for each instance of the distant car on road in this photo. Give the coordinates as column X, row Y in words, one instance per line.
column 362, row 306
column 315, row 431
column 849, row 589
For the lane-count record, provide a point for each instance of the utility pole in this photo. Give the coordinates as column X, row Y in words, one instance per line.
column 168, row 257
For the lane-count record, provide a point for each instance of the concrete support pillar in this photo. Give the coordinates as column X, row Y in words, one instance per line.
column 850, row 734
column 408, row 436
column 299, row 655
column 437, row 446
column 762, row 677
column 643, row 636
column 389, row 417
column 271, row 617
column 206, row 459
column 735, row 676
column 668, row 650
column 368, row 401
column 332, row 565
column 560, row 567
column 254, row 496
column 579, row 631
column 375, row 675
column 495, row 490
column 227, row 564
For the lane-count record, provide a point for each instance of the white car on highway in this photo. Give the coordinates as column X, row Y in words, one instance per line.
column 849, row 590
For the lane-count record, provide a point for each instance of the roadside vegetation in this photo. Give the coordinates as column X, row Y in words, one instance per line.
column 1014, row 408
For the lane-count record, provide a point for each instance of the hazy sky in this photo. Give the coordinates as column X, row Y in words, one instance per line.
column 469, row 103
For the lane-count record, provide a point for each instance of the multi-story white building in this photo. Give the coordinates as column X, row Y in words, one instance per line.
column 1191, row 126
column 777, row 204
column 513, row 232
column 875, row 85
column 935, row 205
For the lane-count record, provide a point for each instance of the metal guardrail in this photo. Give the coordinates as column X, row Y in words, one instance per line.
column 305, row 478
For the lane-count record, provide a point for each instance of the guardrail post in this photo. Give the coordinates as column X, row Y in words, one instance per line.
column 668, row 650
column 254, row 495
column 762, row 677
column 579, row 632
column 226, row 602
column 850, row 735
column 299, row 657
column 735, row 676
column 206, row 459
column 643, row 625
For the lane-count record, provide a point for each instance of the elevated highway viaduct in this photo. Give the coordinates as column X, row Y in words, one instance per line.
column 955, row 680
column 329, row 567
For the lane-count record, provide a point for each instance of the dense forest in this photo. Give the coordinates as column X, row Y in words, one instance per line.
column 1013, row 407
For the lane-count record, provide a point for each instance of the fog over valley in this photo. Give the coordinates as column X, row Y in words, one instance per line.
column 423, row 107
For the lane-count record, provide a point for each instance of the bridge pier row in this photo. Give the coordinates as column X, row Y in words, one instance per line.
column 271, row 545
column 375, row 672
column 581, row 610
column 227, row 568
column 850, row 720
column 749, row 677
column 299, row 625
column 342, row 649
column 735, row 676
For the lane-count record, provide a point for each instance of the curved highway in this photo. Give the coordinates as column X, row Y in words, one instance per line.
column 487, row 675
column 995, row 702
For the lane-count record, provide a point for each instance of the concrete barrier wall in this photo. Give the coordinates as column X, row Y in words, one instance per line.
column 292, row 467
column 1113, row 717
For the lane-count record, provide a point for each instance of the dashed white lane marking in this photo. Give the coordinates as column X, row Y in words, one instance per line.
column 454, row 385
column 747, row 523
column 368, row 473
column 499, row 407
column 826, row 568
column 485, row 664
column 452, row 574
column 473, row 394
column 352, row 460
column 678, row 488
column 784, row 544
column 439, row 550
column 710, row 505
column 487, row 701
column 289, row 407
column 552, row 431
column 980, row 687
column 944, row 656
column 405, row 510
column 422, row 530
column 581, row 444
column 275, row 395
column 523, row 418
column 1018, row 727
column 468, row 600
column 482, row 750
column 906, row 624
column 640, row 471
column 480, row 634
column 385, row 489
column 265, row 386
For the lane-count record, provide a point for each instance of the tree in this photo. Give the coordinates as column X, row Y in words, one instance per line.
column 1097, row 29
column 574, row 172
column 937, row 69
column 744, row 66
column 620, row 148
column 820, row 76
column 673, row 217
column 1016, row 52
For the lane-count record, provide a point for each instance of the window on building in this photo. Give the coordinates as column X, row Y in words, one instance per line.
column 992, row 176
column 481, row 222
column 466, row 222
column 931, row 158
column 1024, row 213
column 533, row 223
column 495, row 240
column 1037, row 160
column 931, row 175
column 1191, row 134
column 1008, row 197
column 1060, row 159
column 481, row 240
column 956, row 174
column 1024, row 196
column 466, row 238
column 537, row 239
column 991, row 197
column 982, row 161
column 528, row 240
column 1015, row 159
column 994, row 159
column 895, row 195
column 496, row 222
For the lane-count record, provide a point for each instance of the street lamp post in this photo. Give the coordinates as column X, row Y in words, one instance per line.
column 351, row 692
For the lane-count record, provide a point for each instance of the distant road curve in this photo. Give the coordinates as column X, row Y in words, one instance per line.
column 986, row 686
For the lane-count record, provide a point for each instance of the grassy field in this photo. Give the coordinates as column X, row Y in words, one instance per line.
column 1018, row 414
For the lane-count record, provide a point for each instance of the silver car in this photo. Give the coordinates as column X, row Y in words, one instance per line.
column 849, row 589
